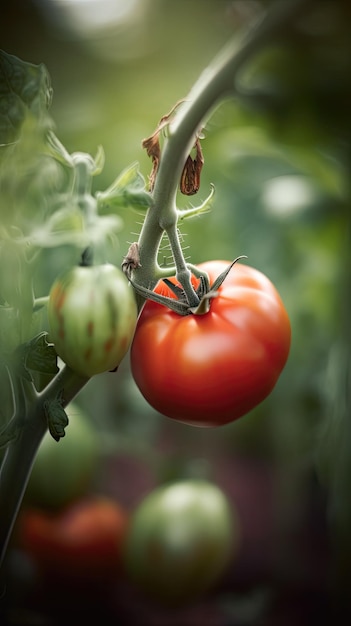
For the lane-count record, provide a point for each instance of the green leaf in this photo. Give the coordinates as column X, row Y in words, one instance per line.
column 37, row 355
column 56, row 417
column 25, row 90
column 41, row 355
column 127, row 191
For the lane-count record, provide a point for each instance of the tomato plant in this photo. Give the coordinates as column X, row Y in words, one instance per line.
column 206, row 369
column 181, row 538
column 210, row 369
column 83, row 540
column 92, row 315
column 63, row 471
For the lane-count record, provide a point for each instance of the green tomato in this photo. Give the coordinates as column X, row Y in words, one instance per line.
column 92, row 315
column 63, row 470
column 181, row 538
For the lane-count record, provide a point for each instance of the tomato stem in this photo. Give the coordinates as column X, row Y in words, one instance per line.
column 184, row 127
column 183, row 274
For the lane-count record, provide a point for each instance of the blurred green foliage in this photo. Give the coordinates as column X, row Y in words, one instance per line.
column 278, row 155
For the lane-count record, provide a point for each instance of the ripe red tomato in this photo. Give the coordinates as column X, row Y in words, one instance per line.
column 208, row 370
column 83, row 541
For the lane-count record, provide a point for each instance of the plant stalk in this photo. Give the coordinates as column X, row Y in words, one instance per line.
column 215, row 84
column 21, row 452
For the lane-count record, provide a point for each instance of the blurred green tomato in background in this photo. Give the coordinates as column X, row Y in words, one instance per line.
column 181, row 538
column 63, row 470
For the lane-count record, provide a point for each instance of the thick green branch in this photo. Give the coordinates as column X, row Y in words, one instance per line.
column 21, row 452
column 215, row 84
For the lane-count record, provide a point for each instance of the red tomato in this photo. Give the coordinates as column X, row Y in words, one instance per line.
column 208, row 370
column 82, row 541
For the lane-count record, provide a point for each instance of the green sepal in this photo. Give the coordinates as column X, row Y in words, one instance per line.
column 178, row 291
column 221, row 278
column 56, row 417
column 205, row 293
column 182, row 308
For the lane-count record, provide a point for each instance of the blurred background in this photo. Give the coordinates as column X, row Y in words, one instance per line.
column 279, row 159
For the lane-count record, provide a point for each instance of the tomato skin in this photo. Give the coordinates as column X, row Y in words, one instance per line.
column 181, row 538
column 92, row 315
column 63, row 470
column 208, row 370
column 82, row 541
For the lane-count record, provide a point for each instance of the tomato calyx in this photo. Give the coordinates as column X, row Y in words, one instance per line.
column 180, row 305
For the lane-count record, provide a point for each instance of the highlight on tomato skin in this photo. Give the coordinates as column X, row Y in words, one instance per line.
column 209, row 370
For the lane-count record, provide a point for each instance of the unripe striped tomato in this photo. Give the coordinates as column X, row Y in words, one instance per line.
column 92, row 315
